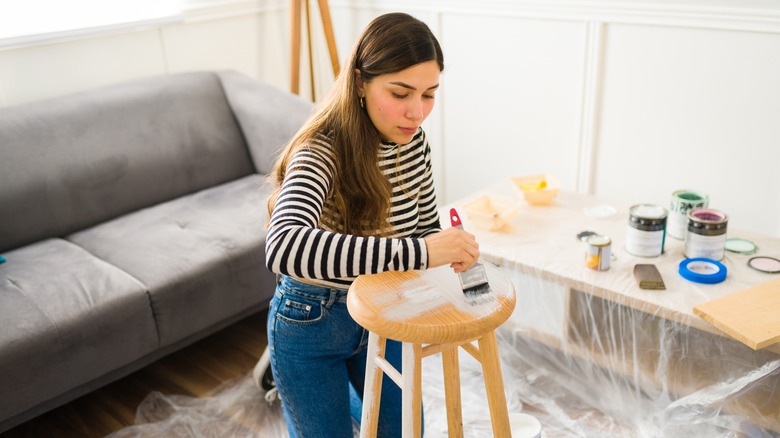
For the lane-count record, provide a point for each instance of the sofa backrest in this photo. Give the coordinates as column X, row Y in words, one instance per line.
column 268, row 116
column 75, row 161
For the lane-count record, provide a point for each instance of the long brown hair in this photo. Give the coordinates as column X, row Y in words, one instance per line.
column 360, row 192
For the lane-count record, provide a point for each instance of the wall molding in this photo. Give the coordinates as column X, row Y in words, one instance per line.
column 751, row 15
column 231, row 8
column 85, row 33
column 192, row 13
column 590, row 109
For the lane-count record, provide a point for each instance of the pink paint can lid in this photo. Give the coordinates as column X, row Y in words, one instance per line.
column 765, row 264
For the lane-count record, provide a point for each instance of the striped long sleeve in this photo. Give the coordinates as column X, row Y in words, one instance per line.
column 302, row 242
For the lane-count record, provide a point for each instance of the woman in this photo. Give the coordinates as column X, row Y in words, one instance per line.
column 354, row 195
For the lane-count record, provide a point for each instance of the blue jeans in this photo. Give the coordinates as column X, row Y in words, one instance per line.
column 318, row 359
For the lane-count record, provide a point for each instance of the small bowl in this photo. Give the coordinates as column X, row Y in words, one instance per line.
column 540, row 197
column 491, row 212
column 537, row 189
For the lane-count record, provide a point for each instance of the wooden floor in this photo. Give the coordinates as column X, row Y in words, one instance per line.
column 194, row 370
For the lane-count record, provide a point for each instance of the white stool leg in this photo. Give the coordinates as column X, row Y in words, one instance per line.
column 373, row 386
column 412, row 390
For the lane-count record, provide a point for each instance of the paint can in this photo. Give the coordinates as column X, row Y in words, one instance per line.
column 706, row 235
column 682, row 202
column 646, row 230
column 599, row 252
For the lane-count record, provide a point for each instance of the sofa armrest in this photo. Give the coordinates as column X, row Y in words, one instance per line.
column 268, row 116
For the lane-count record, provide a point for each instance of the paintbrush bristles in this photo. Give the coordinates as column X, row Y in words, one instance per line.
column 474, row 283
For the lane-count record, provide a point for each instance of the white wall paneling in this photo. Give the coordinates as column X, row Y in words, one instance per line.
column 211, row 36
column 230, row 43
column 591, row 94
column 692, row 108
column 45, row 70
column 513, row 99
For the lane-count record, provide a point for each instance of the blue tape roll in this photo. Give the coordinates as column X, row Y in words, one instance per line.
column 717, row 270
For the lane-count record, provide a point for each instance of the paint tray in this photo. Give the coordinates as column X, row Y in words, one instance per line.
column 537, row 189
column 491, row 212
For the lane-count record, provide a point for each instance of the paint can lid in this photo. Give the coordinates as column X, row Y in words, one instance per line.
column 770, row 265
column 741, row 246
column 583, row 236
column 599, row 240
column 690, row 196
column 708, row 218
column 645, row 212
column 600, row 211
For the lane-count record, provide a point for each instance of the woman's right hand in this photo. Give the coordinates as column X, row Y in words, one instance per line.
column 452, row 246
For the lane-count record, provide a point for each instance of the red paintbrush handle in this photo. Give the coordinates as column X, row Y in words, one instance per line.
column 455, row 219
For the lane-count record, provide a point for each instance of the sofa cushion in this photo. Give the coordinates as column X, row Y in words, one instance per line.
column 96, row 155
column 202, row 256
column 67, row 319
column 268, row 116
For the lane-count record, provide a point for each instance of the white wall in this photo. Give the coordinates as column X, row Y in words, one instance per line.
column 626, row 100
column 236, row 35
column 692, row 108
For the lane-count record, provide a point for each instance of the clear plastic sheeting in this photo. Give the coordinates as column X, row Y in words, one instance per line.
column 563, row 387
column 619, row 373
column 236, row 409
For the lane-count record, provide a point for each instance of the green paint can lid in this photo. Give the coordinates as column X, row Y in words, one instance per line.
column 741, row 246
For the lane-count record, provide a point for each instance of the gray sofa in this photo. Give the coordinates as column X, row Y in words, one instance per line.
column 132, row 220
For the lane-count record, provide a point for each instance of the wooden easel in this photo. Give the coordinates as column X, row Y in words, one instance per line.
column 295, row 38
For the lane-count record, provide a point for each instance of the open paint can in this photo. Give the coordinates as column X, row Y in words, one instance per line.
column 682, row 202
column 646, row 230
column 706, row 235
column 599, row 252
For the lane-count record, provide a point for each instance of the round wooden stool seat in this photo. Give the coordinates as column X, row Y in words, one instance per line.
column 429, row 306
column 429, row 313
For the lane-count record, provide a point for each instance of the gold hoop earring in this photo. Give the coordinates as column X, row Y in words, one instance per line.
column 363, row 102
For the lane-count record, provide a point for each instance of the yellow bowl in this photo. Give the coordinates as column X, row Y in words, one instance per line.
column 540, row 197
column 491, row 212
column 537, row 189
column 530, row 182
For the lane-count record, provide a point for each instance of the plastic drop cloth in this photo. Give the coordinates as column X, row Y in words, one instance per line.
column 238, row 409
column 587, row 353
column 570, row 397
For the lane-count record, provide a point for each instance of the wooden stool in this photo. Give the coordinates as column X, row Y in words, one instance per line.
column 428, row 312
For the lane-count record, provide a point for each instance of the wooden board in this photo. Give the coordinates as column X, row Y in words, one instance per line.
column 751, row 316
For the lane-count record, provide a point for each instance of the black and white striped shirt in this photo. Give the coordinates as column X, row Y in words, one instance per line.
column 302, row 241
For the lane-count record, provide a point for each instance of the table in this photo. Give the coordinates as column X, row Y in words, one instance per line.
column 643, row 351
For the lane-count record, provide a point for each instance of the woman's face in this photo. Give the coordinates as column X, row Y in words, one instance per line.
column 397, row 103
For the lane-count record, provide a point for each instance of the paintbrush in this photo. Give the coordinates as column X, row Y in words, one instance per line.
column 474, row 281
